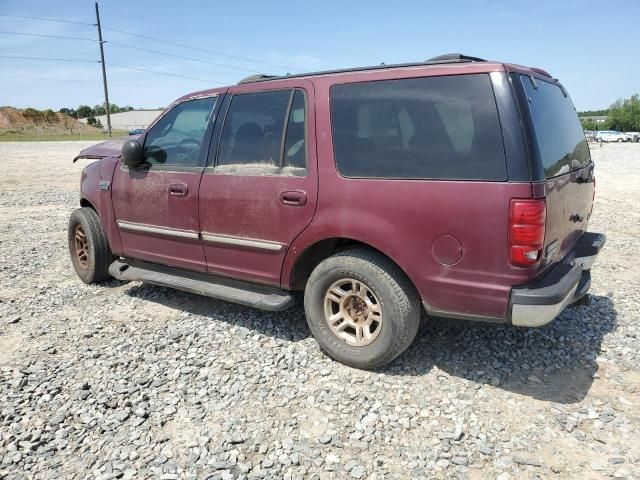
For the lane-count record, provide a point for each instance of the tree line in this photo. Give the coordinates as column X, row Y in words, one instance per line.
column 623, row 115
column 90, row 113
column 594, row 113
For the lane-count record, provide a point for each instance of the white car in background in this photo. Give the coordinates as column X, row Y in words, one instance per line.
column 611, row 136
column 635, row 136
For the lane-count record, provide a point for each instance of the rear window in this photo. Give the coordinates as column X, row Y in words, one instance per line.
column 558, row 132
column 422, row 128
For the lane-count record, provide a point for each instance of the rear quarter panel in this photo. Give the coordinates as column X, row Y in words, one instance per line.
column 403, row 219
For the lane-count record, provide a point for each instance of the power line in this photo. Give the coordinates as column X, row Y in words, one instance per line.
column 44, row 19
column 48, row 36
column 133, row 47
column 179, row 56
column 162, row 73
column 201, row 49
column 132, row 67
column 66, row 80
column 235, row 57
column 49, row 58
column 47, row 19
column 29, row 77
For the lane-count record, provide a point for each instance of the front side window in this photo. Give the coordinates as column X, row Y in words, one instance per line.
column 177, row 137
column 561, row 142
column 421, row 128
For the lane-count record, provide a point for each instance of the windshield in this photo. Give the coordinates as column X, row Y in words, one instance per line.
column 558, row 132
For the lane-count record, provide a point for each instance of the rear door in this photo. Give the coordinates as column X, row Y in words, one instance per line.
column 259, row 191
column 563, row 154
column 156, row 202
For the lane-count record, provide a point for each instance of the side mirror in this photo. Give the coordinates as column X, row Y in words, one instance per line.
column 132, row 153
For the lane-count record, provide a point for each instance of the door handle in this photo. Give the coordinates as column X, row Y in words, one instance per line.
column 178, row 190
column 293, row 197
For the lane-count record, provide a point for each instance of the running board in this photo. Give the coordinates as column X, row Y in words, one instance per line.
column 245, row 293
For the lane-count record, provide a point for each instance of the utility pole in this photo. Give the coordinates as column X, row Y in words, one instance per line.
column 104, row 71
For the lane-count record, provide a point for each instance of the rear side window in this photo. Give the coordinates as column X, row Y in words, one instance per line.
column 561, row 142
column 295, row 142
column 422, row 128
column 253, row 129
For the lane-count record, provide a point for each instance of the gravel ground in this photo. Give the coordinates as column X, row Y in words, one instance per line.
column 136, row 381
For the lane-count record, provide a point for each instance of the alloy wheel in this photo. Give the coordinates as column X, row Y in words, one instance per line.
column 352, row 311
column 81, row 247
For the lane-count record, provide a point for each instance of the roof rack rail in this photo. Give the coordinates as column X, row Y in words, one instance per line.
column 255, row 78
column 455, row 56
column 450, row 58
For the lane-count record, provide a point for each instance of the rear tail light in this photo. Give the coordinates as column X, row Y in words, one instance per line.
column 526, row 231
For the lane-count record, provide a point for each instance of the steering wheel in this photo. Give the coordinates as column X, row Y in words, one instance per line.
column 182, row 146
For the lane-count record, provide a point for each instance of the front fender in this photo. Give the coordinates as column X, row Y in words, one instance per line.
column 95, row 188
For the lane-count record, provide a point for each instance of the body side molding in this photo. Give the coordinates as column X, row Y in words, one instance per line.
column 133, row 227
column 242, row 242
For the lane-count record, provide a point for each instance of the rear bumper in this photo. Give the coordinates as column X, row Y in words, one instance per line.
column 540, row 302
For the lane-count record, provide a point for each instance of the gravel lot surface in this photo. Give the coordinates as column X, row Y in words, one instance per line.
column 136, row 381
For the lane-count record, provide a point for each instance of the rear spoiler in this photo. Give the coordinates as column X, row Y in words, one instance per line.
column 541, row 72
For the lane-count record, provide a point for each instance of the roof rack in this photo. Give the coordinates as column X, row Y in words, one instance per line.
column 256, row 78
column 456, row 56
column 441, row 59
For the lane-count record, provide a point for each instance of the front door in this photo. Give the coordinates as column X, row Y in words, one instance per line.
column 156, row 203
column 260, row 188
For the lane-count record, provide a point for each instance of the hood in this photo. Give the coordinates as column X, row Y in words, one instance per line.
column 110, row 148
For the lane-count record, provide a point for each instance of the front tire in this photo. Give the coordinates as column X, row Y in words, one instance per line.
column 361, row 308
column 88, row 246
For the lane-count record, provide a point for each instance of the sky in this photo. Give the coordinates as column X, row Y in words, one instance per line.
column 590, row 46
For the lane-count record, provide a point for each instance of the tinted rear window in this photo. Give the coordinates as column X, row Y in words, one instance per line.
column 435, row 127
column 558, row 132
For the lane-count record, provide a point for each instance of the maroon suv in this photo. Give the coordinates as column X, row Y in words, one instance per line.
column 457, row 185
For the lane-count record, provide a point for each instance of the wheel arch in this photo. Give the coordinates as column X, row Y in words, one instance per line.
column 86, row 203
column 303, row 264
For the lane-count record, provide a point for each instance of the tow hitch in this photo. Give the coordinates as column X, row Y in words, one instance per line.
column 583, row 302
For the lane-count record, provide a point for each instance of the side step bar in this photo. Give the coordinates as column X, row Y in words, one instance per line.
column 245, row 293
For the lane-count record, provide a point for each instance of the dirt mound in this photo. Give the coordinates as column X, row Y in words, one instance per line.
column 31, row 120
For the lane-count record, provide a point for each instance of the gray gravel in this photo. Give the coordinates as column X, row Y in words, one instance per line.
column 136, row 381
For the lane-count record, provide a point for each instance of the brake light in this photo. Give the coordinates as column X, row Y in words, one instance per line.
column 526, row 231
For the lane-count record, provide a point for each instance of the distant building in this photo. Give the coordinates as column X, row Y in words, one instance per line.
column 596, row 118
column 129, row 120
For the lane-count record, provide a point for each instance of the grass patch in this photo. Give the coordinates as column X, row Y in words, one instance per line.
column 42, row 137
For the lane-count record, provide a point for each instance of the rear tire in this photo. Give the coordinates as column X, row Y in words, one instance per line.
column 88, row 246
column 361, row 308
